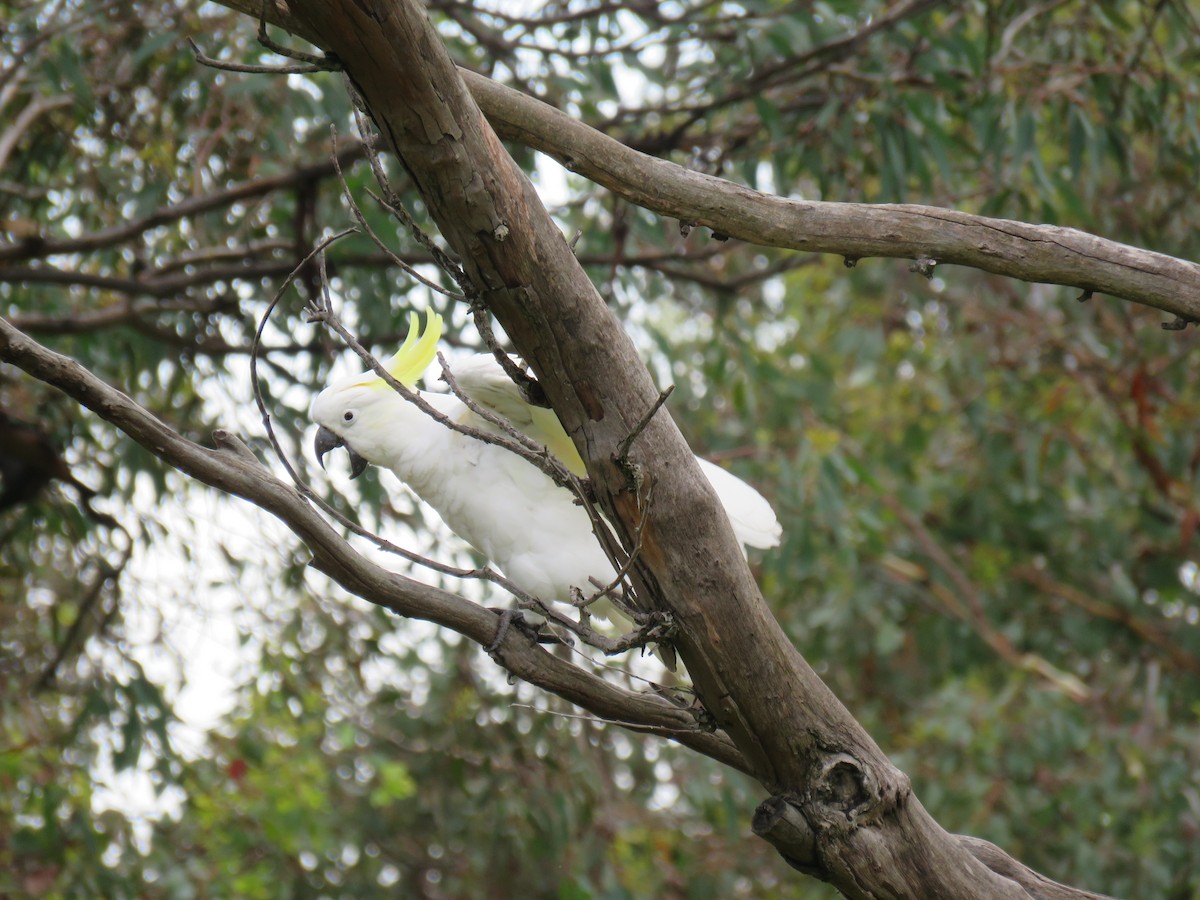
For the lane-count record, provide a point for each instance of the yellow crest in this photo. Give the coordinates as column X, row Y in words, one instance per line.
column 416, row 353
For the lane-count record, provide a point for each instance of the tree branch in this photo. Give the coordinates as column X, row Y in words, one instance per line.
column 39, row 248
column 1036, row 253
column 233, row 468
column 34, row 110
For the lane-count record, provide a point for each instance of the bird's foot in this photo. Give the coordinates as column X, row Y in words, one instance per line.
column 505, row 622
column 512, row 618
column 656, row 626
column 652, row 628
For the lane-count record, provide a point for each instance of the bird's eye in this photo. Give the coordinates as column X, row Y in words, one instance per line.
column 348, row 416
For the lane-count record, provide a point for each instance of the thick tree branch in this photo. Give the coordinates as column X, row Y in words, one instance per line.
column 1037, row 253
column 1034, row 253
column 778, row 821
column 234, row 469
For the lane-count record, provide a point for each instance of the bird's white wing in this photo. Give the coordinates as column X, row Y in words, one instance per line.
column 749, row 512
column 483, row 380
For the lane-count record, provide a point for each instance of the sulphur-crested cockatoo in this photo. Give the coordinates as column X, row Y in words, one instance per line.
column 505, row 507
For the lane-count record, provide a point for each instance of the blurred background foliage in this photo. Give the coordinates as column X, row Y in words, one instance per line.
column 988, row 489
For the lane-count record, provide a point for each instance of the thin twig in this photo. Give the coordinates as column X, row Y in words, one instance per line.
column 655, row 688
column 443, row 259
column 251, row 69
column 562, row 476
column 607, row 591
column 530, row 389
column 632, row 726
column 106, row 574
column 326, row 61
column 542, row 457
column 393, row 204
column 368, row 136
column 533, row 393
column 363, row 224
column 254, row 345
column 623, row 450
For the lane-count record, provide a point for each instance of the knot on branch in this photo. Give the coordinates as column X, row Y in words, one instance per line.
column 1179, row 323
column 845, row 793
column 923, row 265
column 705, row 720
column 229, row 442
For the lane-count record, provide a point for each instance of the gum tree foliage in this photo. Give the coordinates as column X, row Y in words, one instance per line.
column 987, row 488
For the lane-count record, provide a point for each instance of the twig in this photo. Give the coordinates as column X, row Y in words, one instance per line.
column 976, row 615
column 632, row 726
column 252, row 69
column 542, row 456
column 107, row 574
column 607, row 591
column 655, row 688
column 562, row 476
column 393, row 204
column 326, row 61
column 254, row 345
column 443, row 259
column 559, row 473
column 529, row 386
column 623, row 450
column 357, row 212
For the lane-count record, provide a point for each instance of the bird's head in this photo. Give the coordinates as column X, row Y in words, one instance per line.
column 358, row 412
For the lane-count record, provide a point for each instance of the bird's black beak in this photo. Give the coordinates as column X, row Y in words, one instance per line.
column 326, row 440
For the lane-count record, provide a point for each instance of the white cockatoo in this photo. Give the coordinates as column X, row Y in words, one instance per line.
column 505, row 507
